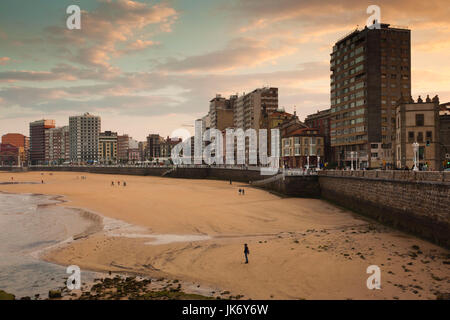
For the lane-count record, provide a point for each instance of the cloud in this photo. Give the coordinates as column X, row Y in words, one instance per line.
column 113, row 24
column 238, row 53
column 4, row 60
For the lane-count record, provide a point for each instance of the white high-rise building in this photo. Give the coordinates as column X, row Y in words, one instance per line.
column 84, row 137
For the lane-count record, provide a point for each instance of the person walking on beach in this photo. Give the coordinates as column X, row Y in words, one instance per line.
column 124, row 183
column 240, row 191
column 246, row 252
column 243, row 191
column 118, row 183
column 112, row 183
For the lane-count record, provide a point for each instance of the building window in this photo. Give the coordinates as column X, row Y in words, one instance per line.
column 420, row 137
column 410, row 136
column 419, row 120
column 429, row 135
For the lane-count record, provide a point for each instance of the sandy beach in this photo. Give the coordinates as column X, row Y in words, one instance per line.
column 194, row 230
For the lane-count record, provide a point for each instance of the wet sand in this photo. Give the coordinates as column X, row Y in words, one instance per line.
column 299, row 248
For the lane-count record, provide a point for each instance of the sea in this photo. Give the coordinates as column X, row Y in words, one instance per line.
column 29, row 225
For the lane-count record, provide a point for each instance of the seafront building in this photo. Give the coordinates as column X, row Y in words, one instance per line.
column 154, row 145
column 321, row 121
column 20, row 141
column 248, row 108
column 107, row 147
column 57, row 145
column 370, row 71
column 221, row 112
column 444, row 134
column 303, row 147
column 418, row 122
column 84, row 138
column 9, row 155
column 37, row 140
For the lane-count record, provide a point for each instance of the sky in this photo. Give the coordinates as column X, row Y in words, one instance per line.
column 152, row 66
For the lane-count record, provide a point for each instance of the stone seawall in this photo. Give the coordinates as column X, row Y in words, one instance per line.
column 417, row 202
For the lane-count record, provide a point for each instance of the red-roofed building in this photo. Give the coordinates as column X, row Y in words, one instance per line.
column 301, row 143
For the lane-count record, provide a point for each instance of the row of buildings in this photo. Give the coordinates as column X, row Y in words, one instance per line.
column 81, row 142
column 372, row 120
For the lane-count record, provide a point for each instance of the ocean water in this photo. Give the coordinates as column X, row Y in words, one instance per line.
column 29, row 225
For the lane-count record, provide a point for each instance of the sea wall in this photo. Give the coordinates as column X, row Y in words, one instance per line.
column 417, row 202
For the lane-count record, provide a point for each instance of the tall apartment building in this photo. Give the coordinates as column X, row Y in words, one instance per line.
column 57, row 145
column 221, row 112
column 371, row 70
column 122, row 147
column 154, row 145
column 248, row 108
column 84, row 137
column 37, row 140
column 107, row 147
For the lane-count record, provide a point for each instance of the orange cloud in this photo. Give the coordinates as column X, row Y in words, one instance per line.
column 239, row 53
column 4, row 60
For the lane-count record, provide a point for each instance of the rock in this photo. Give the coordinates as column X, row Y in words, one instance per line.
column 443, row 296
column 53, row 294
column 6, row 296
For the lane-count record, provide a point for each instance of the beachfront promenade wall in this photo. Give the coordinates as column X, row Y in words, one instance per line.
column 418, row 202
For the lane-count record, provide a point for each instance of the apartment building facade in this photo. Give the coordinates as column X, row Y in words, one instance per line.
column 57, row 145
column 84, row 138
column 37, row 140
column 371, row 70
column 302, row 147
column 107, row 147
column 418, row 121
column 249, row 107
column 20, row 141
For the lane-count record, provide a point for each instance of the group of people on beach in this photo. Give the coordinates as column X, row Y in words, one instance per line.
column 118, row 183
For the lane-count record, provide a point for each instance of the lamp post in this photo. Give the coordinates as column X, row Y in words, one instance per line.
column 415, row 146
column 351, row 159
column 318, row 162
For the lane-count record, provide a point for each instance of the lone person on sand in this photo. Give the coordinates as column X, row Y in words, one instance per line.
column 246, row 252
column 124, row 183
column 112, row 183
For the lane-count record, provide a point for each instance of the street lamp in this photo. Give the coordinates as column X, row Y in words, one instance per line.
column 351, row 157
column 318, row 162
column 415, row 146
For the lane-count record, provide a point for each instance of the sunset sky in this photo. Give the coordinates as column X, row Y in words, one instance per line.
column 152, row 66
